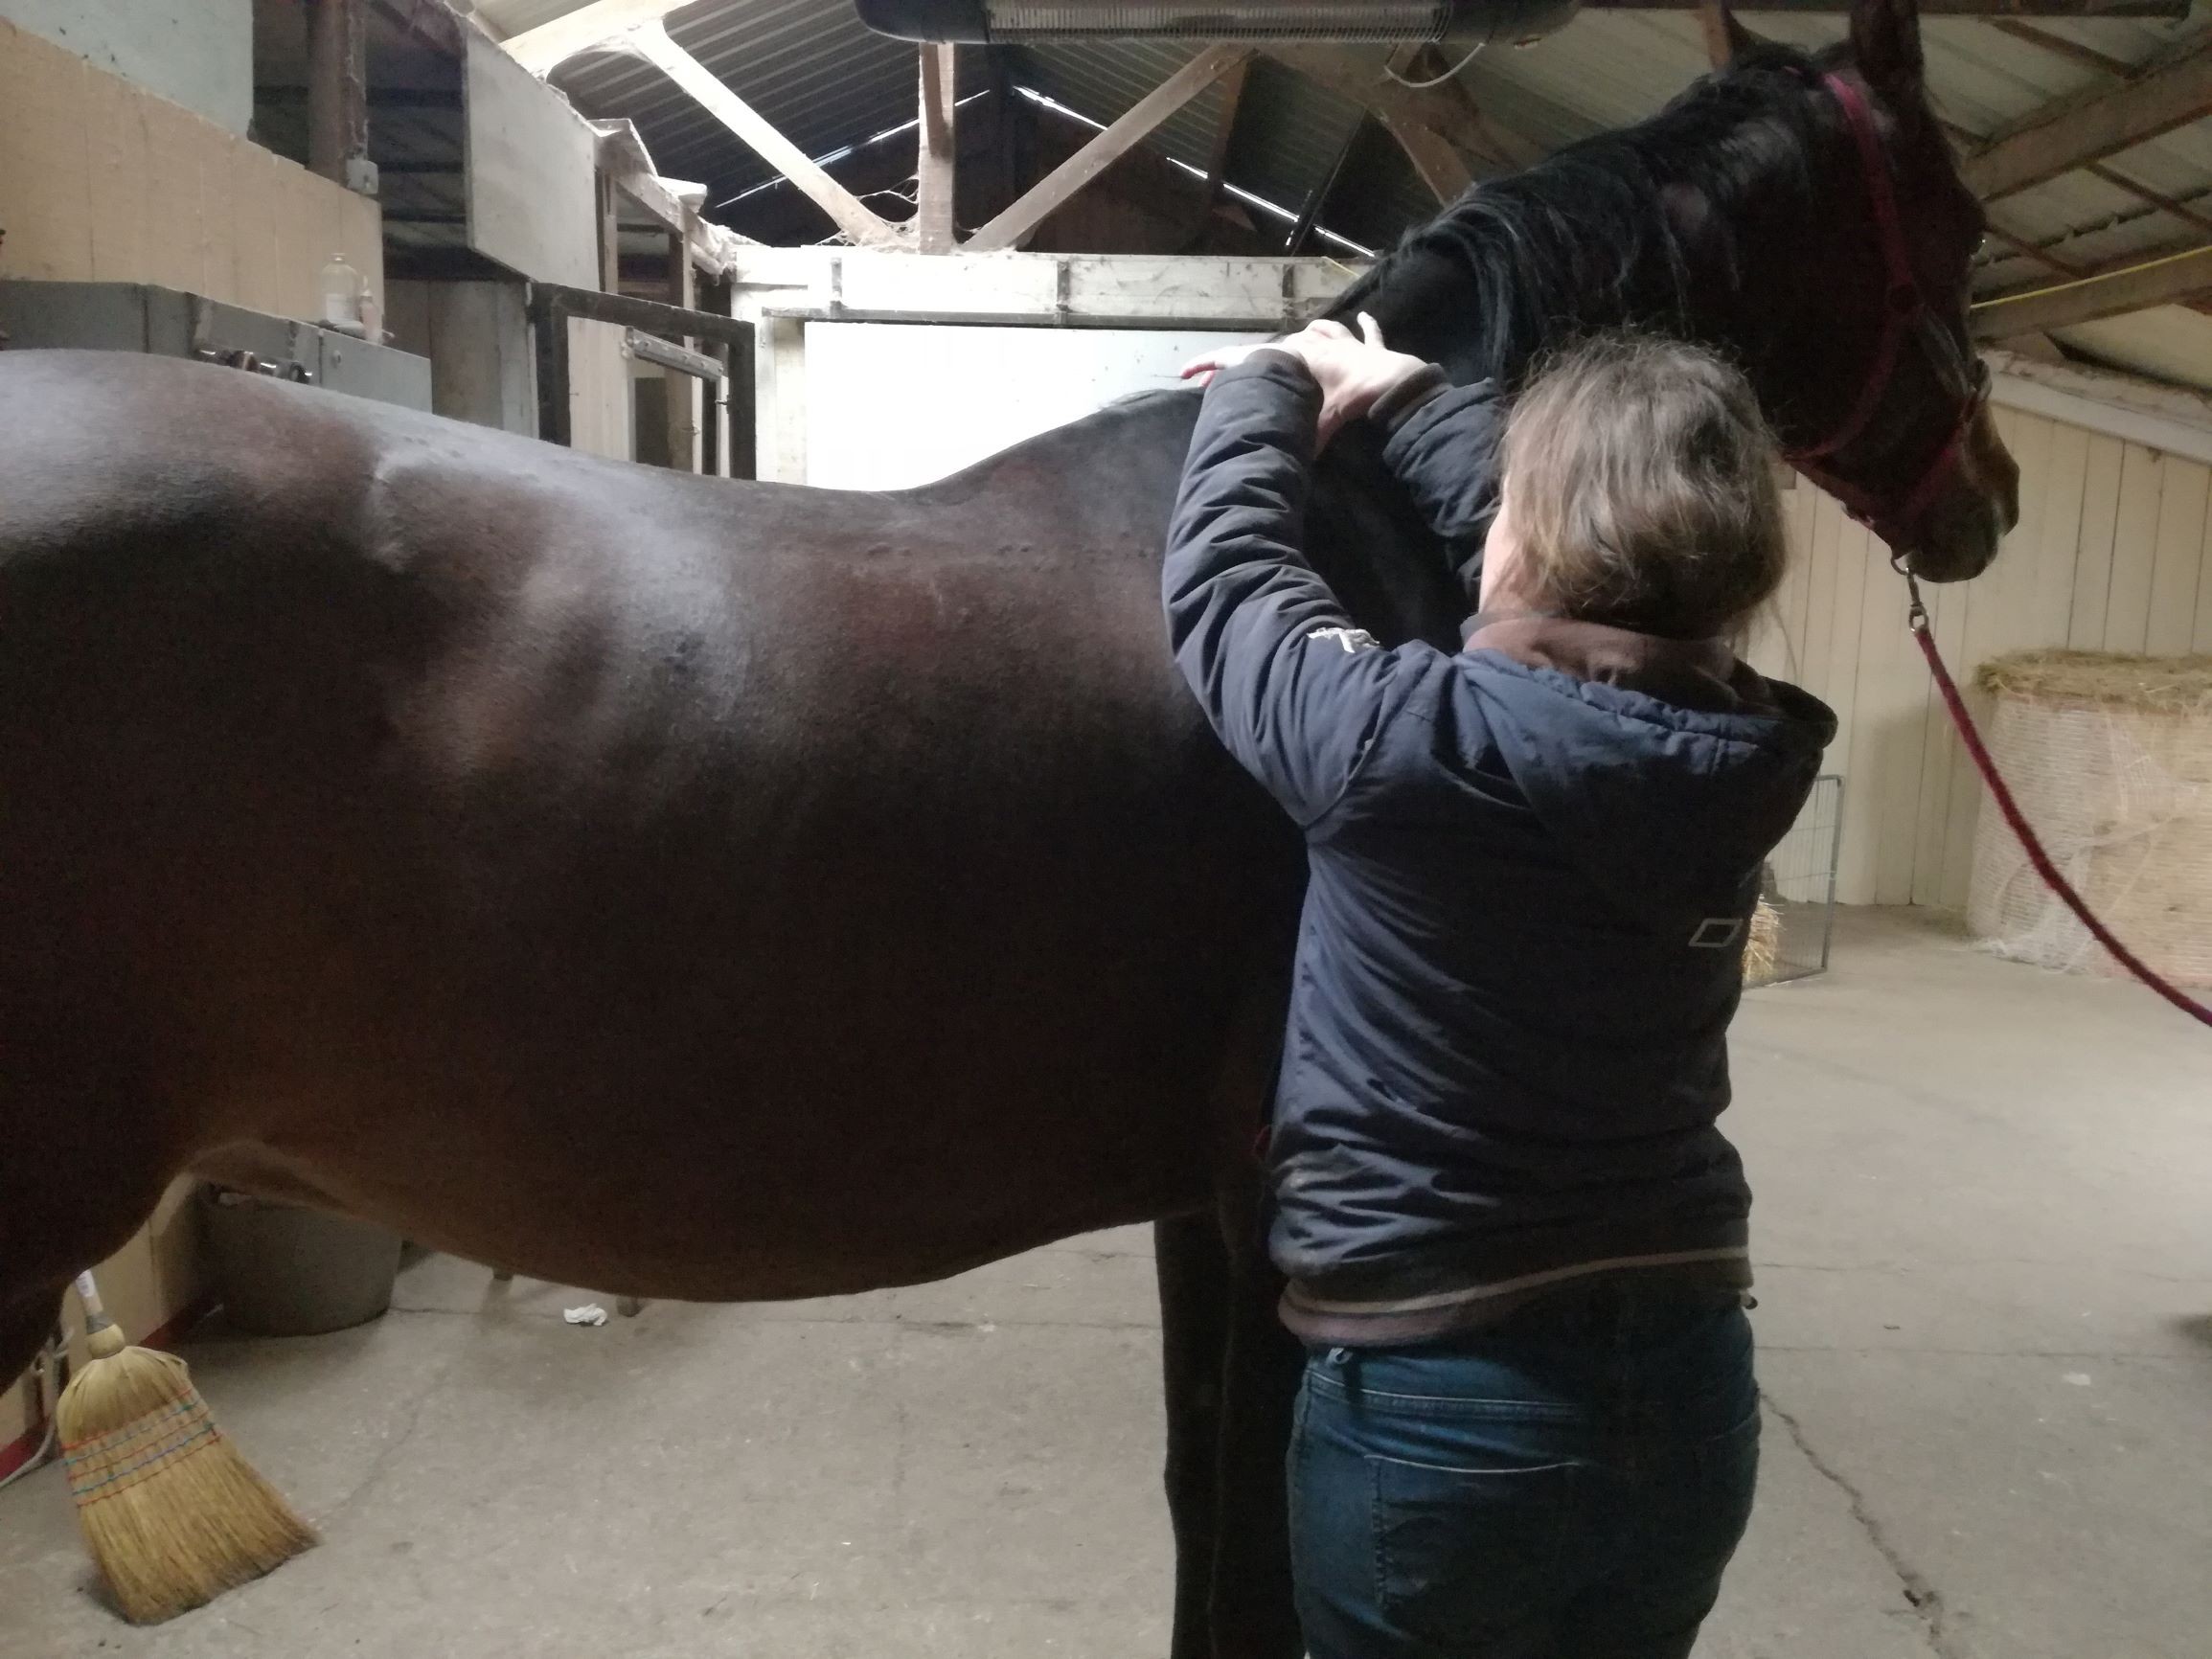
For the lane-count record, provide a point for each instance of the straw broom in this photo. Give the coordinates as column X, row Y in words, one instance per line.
column 175, row 1516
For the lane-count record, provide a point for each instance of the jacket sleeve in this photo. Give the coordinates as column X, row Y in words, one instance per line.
column 1443, row 445
column 1295, row 691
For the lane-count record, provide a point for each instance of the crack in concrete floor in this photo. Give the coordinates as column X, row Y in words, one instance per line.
column 1926, row 1600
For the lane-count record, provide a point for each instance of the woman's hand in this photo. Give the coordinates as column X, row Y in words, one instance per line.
column 1355, row 370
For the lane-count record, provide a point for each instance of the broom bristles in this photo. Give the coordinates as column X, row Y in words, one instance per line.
column 174, row 1516
column 1763, row 947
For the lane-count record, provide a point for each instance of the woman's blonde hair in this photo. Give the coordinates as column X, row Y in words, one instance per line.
column 1641, row 483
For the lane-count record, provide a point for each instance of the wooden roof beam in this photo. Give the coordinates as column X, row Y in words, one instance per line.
column 1049, row 195
column 936, row 148
column 1446, row 111
column 846, row 211
column 2174, row 89
column 2136, row 285
column 543, row 49
column 2063, row 46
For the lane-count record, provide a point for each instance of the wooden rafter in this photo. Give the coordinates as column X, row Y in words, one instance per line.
column 846, row 211
column 2143, row 193
column 936, row 149
column 2035, row 251
column 1445, row 110
column 549, row 45
column 1233, row 82
column 2172, row 91
column 1049, row 195
column 1440, row 166
column 1439, row 127
column 2060, row 46
column 2134, row 286
column 1713, row 25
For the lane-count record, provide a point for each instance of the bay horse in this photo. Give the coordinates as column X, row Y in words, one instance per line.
column 715, row 891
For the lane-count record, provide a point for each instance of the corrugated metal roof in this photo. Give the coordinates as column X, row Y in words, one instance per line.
column 810, row 68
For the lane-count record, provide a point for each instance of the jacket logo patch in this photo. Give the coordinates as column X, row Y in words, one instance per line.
column 1717, row 933
column 1351, row 638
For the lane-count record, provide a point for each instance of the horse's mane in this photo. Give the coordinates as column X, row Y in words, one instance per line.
column 1585, row 236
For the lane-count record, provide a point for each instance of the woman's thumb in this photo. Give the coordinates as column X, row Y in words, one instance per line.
column 1370, row 330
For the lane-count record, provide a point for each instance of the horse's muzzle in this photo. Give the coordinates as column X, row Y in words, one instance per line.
column 1961, row 530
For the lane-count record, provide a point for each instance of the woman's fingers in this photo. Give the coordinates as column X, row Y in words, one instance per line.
column 1329, row 328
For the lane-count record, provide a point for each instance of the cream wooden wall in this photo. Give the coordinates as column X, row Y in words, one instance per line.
column 103, row 181
column 2111, row 553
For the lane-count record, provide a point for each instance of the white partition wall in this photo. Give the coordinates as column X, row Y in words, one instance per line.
column 894, row 404
column 2111, row 554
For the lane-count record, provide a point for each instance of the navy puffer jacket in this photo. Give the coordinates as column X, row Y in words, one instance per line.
column 1532, row 864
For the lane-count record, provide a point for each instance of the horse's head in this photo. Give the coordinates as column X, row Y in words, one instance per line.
column 1804, row 215
column 1870, row 373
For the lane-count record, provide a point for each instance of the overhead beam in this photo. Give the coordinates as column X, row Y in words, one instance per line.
column 673, row 204
column 2061, row 46
column 938, row 149
column 1440, row 166
column 549, row 45
column 2174, row 90
column 846, row 211
column 2174, row 279
column 1052, row 193
column 1233, row 84
column 1713, row 25
column 1443, row 110
column 2164, row 203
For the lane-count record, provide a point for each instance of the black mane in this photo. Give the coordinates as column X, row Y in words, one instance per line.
column 1584, row 238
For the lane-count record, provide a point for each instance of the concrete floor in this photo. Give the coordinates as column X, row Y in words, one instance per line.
column 1985, row 1259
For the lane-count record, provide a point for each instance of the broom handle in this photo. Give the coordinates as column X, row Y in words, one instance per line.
column 94, row 1310
column 101, row 1336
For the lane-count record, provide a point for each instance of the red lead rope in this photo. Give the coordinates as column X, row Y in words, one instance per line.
column 2028, row 839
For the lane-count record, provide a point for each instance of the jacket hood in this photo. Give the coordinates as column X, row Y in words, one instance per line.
column 1667, row 767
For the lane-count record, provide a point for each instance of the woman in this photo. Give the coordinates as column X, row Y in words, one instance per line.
column 1516, row 1240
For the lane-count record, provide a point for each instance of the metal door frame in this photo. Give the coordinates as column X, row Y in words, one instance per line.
column 728, row 361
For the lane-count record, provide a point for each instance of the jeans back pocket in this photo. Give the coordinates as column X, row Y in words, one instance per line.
column 1468, row 1554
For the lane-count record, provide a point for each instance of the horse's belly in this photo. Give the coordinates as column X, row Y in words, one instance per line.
column 769, row 1190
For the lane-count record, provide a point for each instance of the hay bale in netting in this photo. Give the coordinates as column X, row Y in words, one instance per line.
column 1763, row 949
column 2110, row 758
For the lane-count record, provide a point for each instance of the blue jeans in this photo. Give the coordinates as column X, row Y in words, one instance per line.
column 1568, row 1484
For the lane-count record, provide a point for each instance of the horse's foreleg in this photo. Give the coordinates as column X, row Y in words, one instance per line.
column 1194, row 1279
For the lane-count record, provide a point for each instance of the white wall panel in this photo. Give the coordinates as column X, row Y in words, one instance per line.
column 2113, row 552
column 894, row 404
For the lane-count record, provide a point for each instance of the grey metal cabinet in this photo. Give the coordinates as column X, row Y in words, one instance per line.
column 138, row 317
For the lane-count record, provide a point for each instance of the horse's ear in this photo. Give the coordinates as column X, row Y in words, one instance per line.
column 1885, row 43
